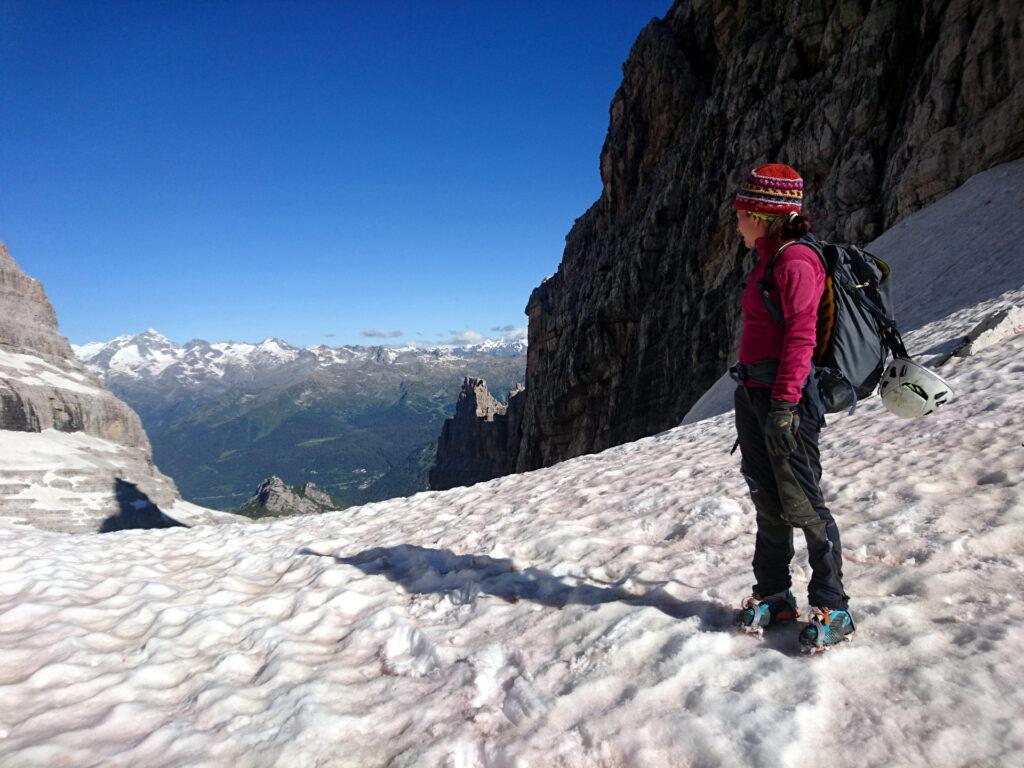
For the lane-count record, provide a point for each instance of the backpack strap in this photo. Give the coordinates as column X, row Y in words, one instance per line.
column 894, row 341
column 766, row 285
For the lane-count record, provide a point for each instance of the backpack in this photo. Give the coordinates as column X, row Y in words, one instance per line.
column 856, row 330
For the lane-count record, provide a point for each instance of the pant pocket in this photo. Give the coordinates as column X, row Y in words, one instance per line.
column 796, row 507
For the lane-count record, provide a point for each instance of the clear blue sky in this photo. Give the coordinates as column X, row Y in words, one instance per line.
column 305, row 170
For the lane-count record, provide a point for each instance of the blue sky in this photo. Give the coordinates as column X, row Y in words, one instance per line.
column 311, row 171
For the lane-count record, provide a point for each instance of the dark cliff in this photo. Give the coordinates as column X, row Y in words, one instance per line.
column 882, row 106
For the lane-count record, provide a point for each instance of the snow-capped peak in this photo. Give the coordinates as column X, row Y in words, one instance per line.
column 86, row 352
column 502, row 347
column 277, row 348
column 151, row 354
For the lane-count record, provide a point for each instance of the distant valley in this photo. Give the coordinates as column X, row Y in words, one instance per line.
column 360, row 422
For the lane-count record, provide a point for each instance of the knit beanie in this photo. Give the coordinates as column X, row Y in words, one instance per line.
column 770, row 191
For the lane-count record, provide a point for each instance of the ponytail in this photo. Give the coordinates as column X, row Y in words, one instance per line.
column 792, row 226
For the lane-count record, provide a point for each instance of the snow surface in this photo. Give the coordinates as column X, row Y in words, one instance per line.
column 963, row 249
column 578, row 615
column 993, row 330
column 34, row 371
column 715, row 401
column 60, row 475
column 86, row 352
column 132, row 361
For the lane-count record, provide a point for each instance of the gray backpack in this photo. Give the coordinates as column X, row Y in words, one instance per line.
column 856, row 330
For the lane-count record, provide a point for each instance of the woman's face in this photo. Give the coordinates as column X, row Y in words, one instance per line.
column 750, row 228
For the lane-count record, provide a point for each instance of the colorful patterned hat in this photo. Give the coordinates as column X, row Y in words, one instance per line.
column 770, row 191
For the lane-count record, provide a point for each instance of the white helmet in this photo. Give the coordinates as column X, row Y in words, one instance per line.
column 910, row 390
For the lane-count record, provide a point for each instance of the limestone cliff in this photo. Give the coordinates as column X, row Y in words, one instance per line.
column 42, row 383
column 882, row 105
column 73, row 457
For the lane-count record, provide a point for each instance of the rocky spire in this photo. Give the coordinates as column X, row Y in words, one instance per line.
column 482, row 439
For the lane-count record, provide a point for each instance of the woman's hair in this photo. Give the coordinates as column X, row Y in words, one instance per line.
column 790, row 226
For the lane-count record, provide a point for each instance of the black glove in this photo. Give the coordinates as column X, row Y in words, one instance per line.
column 780, row 428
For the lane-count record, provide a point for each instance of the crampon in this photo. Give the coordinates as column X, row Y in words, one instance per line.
column 757, row 613
column 827, row 629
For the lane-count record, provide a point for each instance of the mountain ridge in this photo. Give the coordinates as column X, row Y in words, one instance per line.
column 88, row 350
column 360, row 421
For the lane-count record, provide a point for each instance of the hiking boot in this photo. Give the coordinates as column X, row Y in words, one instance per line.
column 828, row 627
column 760, row 612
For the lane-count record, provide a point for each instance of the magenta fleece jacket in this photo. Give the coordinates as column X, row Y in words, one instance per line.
column 800, row 280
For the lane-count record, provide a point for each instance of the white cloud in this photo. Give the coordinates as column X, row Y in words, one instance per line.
column 511, row 332
column 465, row 337
column 469, row 336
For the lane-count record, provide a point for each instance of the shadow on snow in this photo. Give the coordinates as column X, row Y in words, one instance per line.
column 136, row 510
column 421, row 570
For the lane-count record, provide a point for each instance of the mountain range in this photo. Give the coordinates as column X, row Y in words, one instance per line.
column 362, row 422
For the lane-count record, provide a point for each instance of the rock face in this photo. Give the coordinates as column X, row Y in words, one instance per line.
column 28, row 323
column 42, row 383
column 480, row 441
column 276, row 499
column 882, row 105
column 311, row 492
column 72, row 456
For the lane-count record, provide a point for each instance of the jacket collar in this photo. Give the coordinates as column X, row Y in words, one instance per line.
column 765, row 247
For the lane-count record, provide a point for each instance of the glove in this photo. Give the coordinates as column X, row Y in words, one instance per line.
column 780, row 428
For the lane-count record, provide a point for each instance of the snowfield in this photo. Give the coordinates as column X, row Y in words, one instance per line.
column 66, row 481
column 34, row 371
column 578, row 615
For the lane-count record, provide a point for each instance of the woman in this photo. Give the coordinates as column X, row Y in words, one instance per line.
column 776, row 419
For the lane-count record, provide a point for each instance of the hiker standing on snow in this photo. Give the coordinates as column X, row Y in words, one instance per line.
column 777, row 420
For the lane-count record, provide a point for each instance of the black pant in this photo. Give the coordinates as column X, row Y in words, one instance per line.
column 786, row 495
